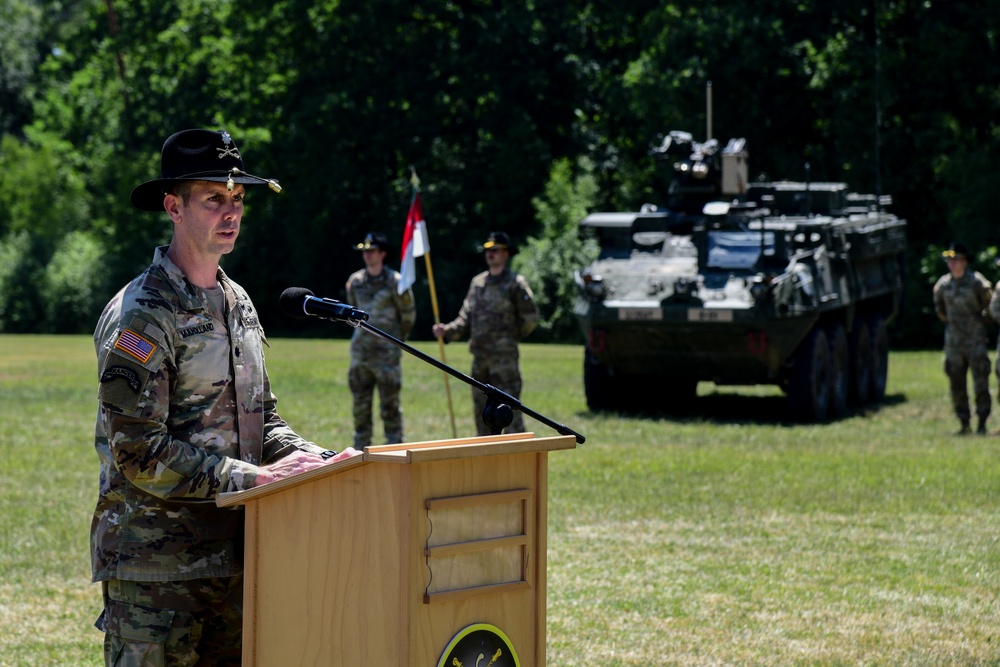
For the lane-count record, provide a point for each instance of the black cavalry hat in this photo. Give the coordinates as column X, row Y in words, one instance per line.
column 501, row 241
column 195, row 155
column 374, row 240
column 957, row 250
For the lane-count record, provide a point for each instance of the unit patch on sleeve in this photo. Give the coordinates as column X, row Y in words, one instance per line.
column 122, row 382
column 131, row 378
column 135, row 345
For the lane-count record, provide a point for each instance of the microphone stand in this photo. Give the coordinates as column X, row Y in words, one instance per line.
column 500, row 406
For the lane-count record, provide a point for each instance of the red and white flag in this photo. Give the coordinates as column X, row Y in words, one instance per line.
column 415, row 243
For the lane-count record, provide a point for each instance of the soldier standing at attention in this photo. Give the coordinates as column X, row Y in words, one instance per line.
column 376, row 362
column 498, row 312
column 961, row 299
column 185, row 412
column 994, row 310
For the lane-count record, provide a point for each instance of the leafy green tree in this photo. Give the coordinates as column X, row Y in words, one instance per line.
column 74, row 285
column 550, row 260
column 20, row 274
column 42, row 199
column 20, row 25
column 41, row 192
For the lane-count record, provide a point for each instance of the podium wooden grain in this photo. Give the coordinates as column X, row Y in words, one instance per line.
column 383, row 558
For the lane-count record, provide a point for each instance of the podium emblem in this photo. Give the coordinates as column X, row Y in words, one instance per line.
column 479, row 645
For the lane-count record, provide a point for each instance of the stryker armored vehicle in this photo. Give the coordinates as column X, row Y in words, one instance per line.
column 740, row 283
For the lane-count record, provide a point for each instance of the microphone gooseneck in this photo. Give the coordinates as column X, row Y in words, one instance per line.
column 298, row 302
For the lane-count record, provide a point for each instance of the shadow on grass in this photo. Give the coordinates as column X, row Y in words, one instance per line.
column 731, row 407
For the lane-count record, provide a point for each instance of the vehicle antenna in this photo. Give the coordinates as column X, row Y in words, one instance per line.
column 878, row 113
column 708, row 112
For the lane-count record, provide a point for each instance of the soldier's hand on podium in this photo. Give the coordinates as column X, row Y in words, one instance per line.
column 346, row 454
column 297, row 462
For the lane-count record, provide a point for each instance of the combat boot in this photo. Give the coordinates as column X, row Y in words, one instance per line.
column 966, row 428
column 981, row 428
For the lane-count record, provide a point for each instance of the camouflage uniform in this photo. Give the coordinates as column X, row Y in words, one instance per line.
column 150, row 624
column 185, row 413
column 994, row 311
column 375, row 361
column 498, row 311
column 961, row 304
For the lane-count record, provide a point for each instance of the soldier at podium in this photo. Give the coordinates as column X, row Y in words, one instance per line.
column 185, row 413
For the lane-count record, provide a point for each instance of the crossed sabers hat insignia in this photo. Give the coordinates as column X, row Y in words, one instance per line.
column 226, row 150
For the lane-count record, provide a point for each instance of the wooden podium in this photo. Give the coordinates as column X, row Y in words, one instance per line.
column 411, row 555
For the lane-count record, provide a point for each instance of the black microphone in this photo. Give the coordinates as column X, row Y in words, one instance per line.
column 298, row 302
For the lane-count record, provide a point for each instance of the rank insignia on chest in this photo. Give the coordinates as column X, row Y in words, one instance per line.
column 135, row 345
column 248, row 317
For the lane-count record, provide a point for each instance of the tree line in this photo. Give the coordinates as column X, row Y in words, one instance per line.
column 516, row 116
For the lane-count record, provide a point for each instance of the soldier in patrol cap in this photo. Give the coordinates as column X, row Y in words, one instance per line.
column 185, row 412
column 961, row 299
column 498, row 312
column 376, row 362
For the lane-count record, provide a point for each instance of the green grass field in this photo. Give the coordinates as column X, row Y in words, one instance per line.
column 729, row 537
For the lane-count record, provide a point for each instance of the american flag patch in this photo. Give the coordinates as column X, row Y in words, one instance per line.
column 136, row 345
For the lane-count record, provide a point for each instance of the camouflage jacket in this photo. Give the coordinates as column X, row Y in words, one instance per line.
column 498, row 311
column 185, row 412
column 387, row 309
column 994, row 307
column 962, row 305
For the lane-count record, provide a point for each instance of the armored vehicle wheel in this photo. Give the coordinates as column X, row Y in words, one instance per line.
column 860, row 355
column 880, row 358
column 809, row 385
column 598, row 385
column 839, row 370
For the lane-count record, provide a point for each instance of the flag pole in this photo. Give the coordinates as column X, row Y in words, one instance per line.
column 437, row 317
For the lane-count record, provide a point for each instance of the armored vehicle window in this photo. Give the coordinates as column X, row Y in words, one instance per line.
column 738, row 250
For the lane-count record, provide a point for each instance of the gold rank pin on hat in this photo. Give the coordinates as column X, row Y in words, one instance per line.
column 374, row 240
column 499, row 241
column 956, row 250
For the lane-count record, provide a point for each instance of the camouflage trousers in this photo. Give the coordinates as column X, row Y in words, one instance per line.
column 191, row 623
column 958, row 361
column 363, row 378
column 502, row 372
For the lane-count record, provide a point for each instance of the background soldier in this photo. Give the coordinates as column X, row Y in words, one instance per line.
column 498, row 311
column 961, row 299
column 185, row 412
column 994, row 310
column 374, row 361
